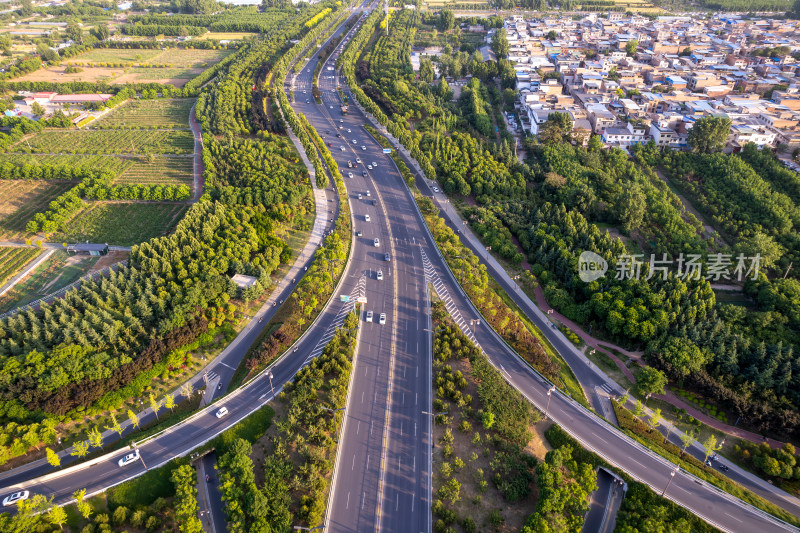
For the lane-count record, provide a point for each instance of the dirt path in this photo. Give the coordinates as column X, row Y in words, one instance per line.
column 197, row 167
column 709, row 229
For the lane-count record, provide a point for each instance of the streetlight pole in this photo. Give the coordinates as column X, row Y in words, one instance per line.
column 671, row 477
column 549, row 393
column 136, row 449
column 269, row 375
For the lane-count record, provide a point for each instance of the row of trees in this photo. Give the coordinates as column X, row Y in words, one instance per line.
column 300, row 459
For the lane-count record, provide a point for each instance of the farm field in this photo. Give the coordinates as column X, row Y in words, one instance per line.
column 108, row 142
column 122, row 224
column 223, row 36
column 167, row 113
column 57, row 272
column 161, row 171
column 21, row 199
column 12, row 260
column 183, row 65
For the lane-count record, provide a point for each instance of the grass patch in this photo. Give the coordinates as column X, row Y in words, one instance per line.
column 57, row 272
column 123, row 224
column 22, row 199
column 12, row 260
column 116, row 55
column 166, row 113
column 158, row 171
column 108, row 142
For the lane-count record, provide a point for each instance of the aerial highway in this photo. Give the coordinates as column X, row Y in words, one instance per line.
column 383, row 465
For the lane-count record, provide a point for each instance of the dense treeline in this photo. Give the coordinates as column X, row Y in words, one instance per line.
column 106, row 340
column 298, row 465
column 548, row 210
column 238, row 19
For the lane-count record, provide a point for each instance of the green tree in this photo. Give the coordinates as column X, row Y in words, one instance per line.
column 655, row 419
column 710, row 446
column 53, row 458
column 762, row 244
column 556, row 128
column 134, row 418
column 684, row 355
column 446, row 20
column 5, row 43
column 687, row 439
column 186, row 508
column 632, row 207
column 101, row 32
column 650, row 381
column 169, row 402
column 95, row 438
column 631, row 47
column 38, row 110
column 426, row 72
column 57, row 516
column 115, row 425
column 155, row 405
column 709, row 134
column 552, row 35
column 84, row 507
column 500, row 45
column 74, row 32
column 80, row 449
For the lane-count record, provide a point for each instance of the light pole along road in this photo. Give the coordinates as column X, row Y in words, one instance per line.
column 397, row 509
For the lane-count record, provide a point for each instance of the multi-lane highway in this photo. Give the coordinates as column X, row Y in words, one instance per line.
column 382, row 470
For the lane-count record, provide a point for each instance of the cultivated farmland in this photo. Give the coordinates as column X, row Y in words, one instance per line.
column 21, row 199
column 117, row 165
column 159, row 171
column 12, row 260
column 122, row 223
column 165, row 113
column 107, row 142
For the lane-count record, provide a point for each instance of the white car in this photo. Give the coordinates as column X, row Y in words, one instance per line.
column 376, row 242
column 382, row 319
column 355, row 142
column 14, row 497
column 374, row 164
column 331, row 107
column 364, row 148
column 358, row 160
column 435, row 189
column 369, row 316
column 341, row 121
column 349, row 130
column 349, row 174
column 341, row 148
column 129, row 458
column 369, row 167
column 380, row 275
column 366, row 218
column 222, row 412
column 369, row 194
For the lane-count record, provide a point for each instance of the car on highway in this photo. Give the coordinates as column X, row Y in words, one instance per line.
column 221, row 412
column 374, row 164
column 380, row 275
column 330, row 144
column 341, row 121
column 369, row 167
column 331, row 107
column 355, row 142
column 435, row 189
column 359, row 196
column 387, row 257
column 358, row 160
column 349, row 174
column 376, row 242
column 366, row 218
column 308, row 101
column 369, row 193
column 341, row 148
column 382, row 319
column 128, row 458
column 358, row 233
column 349, row 130
column 364, row 148
column 363, row 172
column 339, row 135
column 369, row 316
column 15, row 497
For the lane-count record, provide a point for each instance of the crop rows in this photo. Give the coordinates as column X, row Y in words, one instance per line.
column 117, row 165
column 20, row 200
column 108, row 142
column 161, row 171
column 123, row 224
column 13, row 259
column 166, row 113
column 173, row 58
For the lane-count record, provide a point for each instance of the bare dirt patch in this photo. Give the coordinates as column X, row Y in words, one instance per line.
column 89, row 74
